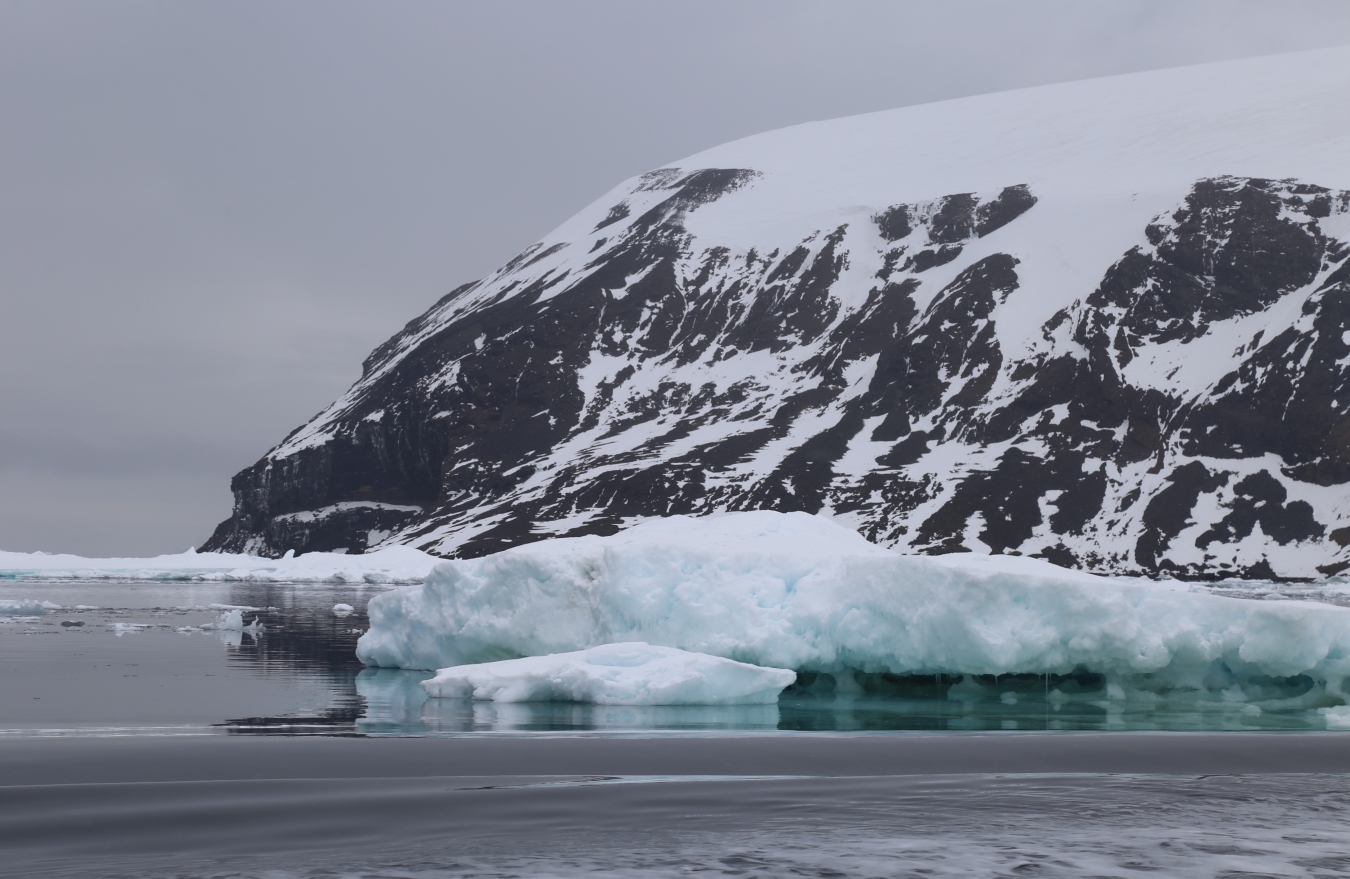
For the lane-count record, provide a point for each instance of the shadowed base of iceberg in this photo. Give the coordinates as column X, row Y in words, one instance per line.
column 631, row 673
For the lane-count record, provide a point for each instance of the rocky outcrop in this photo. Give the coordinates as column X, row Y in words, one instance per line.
column 651, row 380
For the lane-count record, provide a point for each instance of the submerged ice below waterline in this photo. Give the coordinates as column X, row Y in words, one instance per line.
column 801, row 592
column 395, row 704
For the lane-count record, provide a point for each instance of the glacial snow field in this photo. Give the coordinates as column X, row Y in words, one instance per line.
column 1106, row 323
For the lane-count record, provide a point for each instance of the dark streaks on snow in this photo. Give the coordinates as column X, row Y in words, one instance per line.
column 455, row 427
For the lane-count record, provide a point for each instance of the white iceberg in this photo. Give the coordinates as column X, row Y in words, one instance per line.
column 343, row 610
column 391, row 565
column 801, row 592
column 629, row 673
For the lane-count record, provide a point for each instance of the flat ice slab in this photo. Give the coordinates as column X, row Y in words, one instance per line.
column 629, row 673
column 395, row 564
column 801, row 592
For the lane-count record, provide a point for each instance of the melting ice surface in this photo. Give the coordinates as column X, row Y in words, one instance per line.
column 627, row 673
column 801, row 592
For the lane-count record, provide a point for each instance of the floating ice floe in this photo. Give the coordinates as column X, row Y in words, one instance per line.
column 800, row 592
column 393, row 565
column 233, row 621
column 120, row 629
column 343, row 610
column 629, row 673
column 26, row 606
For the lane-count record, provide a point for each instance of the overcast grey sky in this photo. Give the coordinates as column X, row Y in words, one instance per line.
column 210, row 212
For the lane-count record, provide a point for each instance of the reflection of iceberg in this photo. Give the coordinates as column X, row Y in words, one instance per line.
column 396, row 704
column 393, row 698
column 801, row 592
column 631, row 673
column 233, row 621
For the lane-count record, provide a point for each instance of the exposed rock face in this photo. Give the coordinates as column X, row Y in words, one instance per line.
column 1185, row 415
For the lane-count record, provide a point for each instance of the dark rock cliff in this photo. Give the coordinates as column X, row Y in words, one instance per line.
column 1186, row 416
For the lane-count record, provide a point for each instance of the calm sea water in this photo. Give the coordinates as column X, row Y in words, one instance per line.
column 121, row 664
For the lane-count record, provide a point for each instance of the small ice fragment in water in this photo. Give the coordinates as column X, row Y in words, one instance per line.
column 120, row 629
column 628, row 673
column 343, row 610
column 233, row 621
column 1008, row 698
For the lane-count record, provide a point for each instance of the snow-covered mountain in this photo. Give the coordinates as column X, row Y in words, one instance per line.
column 1106, row 323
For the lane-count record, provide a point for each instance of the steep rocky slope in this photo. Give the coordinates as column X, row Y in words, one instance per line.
column 1106, row 323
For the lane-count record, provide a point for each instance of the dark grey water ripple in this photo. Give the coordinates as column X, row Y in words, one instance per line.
column 1061, row 825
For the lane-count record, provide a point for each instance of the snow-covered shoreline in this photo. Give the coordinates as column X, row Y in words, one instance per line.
column 392, row 565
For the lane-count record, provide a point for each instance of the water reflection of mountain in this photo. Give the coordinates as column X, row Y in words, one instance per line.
column 338, row 718
column 301, row 630
column 302, row 639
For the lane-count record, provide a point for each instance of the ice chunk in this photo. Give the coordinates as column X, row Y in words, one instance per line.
column 228, row 621
column 343, row 610
column 801, row 592
column 26, row 606
column 120, row 629
column 629, row 673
